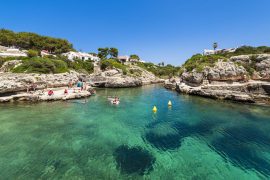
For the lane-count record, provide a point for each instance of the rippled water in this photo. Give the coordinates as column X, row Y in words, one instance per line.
column 195, row 139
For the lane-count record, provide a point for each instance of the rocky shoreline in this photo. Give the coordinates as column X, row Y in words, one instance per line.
column 13, row 86
column 228, row 81
column 41, row 95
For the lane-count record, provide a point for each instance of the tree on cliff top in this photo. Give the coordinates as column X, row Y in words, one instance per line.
column 103, row 53
column 215, row 45
column 26, row 40
column 134, row 56
column 113, row 52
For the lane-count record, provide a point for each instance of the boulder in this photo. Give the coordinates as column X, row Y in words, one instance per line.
column 245, row 59
column 226, row 71
column 192, row 78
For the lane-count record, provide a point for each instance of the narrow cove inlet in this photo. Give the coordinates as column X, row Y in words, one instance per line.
column 195, row 138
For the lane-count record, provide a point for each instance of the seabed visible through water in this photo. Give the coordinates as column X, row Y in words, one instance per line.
column 196, row 138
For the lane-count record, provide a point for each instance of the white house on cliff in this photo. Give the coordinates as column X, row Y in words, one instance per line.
column 207, row 52
column 80, row 55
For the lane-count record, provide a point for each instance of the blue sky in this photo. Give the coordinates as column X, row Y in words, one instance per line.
column 157, row 30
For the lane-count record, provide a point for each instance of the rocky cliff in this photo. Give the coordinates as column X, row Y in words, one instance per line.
column 244, row 78
column 12, row 82
column 237, row 68
column 114, row 78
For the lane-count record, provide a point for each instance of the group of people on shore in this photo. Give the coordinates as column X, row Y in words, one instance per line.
column 79, row 86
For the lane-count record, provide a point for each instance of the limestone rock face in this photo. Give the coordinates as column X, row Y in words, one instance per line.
column 114, row 78
column 193, row 78
column 250, row 92
column 233, row 70
column 225, row 71
column 262, row 65
column 112, row 72
column 116, row 82
column 171, row 83
column 222, row 71
column 241, row 59
column 12, row 82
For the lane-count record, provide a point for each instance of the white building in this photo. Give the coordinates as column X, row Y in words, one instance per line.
column 80, row 55
column 125, row 59
column 207, row 52
column 44, row 53
column 12, row 52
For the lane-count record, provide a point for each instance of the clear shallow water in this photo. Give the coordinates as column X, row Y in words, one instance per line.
column 195, row 139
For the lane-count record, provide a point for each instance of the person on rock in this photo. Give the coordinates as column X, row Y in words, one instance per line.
column 50, row 92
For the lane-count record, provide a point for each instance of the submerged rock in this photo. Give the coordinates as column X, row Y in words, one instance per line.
column 235, row 146
column 164, row 142
column 133, row 160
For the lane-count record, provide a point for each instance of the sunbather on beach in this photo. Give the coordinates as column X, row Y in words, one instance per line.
column 50, row 92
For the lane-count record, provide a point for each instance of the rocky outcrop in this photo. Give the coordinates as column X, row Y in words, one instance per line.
column 121, row 82
column 192, row 78
column 114, row 78
column 259, row 63
column 250, row 92
column 244, row 78
column 225, row 71
column 171, row 83
column 43, row 96
column 12, row 82
column 222, row 71
column 237, row 69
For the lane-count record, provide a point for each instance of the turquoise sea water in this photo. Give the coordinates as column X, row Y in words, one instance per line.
column 195, row 139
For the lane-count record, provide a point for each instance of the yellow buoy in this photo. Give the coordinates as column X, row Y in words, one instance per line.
column 169, row 103
column 154, row 109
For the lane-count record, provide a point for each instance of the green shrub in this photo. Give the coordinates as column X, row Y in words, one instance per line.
column 32, row 53
column 199, row 61
column 112, row 63
column 135, row 72
column 161, row 71
column 80, row 65
column 42, row 66
column 246, row 50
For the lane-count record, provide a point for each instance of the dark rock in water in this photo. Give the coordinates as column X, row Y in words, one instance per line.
column 164, row 142
column 133, row 160
column 235, row 146
column 183, row 129
column 56, row 164
column 203, row 128
column 172, row 140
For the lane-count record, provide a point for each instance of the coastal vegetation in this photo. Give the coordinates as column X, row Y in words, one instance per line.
column 199, row 61
column 32, row 53
column 160, row 71
column 27, row 40
column 103, row 53
column 53, row 65
column 42, row 66
column 56, row 63
column 134, row 56
column 113, row 63
column 246, row 50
